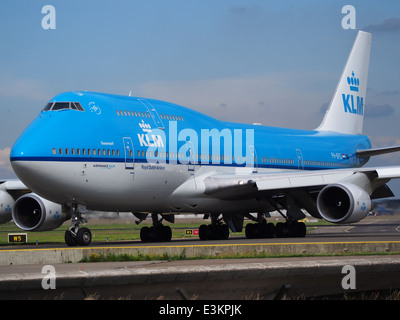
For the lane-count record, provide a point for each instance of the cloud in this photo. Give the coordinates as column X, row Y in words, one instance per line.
column 262, row 99
column 385, row 141
column 371, row 110
column 238, row 9
column 378, row 111
column 34, row 90
column 389, row 93
column 389, row 25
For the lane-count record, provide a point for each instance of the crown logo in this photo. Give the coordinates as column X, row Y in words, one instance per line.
column 353, row 82
column 145, row 126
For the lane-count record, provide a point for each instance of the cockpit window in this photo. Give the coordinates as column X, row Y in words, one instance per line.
column 54, row 106
column 48, row 106
column 78, row 106
column 60, row 106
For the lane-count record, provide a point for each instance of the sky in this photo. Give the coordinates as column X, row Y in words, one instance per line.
column 271, row 62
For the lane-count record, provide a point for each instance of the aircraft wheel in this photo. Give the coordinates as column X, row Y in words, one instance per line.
column 203, row 231
column 224, row 232
column 270, row 230
column 145, row 234
column 297, row 229
column 260, row 230
column 70, row 239
column 302, row 229
column 166, row 233
column 214, row 232
column 281, row 230
column 249, row 230
column 83, row 237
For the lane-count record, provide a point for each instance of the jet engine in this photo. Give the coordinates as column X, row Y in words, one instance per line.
column 343, row 203
column 6, row 203
column 34, row 213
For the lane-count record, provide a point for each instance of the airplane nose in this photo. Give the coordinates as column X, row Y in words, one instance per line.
column 18, row 158
column 24, row 156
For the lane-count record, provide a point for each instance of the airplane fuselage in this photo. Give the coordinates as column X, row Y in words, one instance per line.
column 118, row 153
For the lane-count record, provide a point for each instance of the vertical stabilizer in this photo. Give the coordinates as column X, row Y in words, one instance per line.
column 346, row 110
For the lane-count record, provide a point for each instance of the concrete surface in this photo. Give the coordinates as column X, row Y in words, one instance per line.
column 40, row 255
column 201, row 279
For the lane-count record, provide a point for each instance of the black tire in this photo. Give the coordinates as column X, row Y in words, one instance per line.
column 145, row 234
column 70, row 239
column 84, row 237
column 249, row 230
column 281, row 230
column 203, row 232
column 301, row 229
column 271, row 230
column 224, row 232
column 167, row 233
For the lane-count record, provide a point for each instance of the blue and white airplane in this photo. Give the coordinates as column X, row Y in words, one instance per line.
column 94, row 151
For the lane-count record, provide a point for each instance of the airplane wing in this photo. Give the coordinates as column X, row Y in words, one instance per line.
column 14, row 187
column 377, row 151
column 330, row 194
column 227, row 186
column 10, row 190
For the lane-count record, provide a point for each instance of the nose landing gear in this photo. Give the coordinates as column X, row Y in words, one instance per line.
column 77, row 236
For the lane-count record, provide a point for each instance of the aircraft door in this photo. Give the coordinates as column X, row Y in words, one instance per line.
column 300, row 164
column 154, row 114
column 252, row 159
column 192, row 161
column 129, row 153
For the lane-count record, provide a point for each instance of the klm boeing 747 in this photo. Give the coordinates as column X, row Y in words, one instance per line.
column 94, row 151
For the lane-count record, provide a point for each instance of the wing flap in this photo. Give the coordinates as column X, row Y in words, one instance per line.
column 388, row 172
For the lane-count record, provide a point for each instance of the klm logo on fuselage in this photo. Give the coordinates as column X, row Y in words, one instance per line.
column 150, row 140
column 353, row 104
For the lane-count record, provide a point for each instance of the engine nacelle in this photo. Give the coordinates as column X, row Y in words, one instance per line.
column 34, row 213
column 343, row 203
column 6, row 203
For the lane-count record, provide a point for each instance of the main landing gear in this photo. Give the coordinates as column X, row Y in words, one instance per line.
column 77, row 236
column 156, row 233
column 280, row 230
column 214, row 231
column 262, row 229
